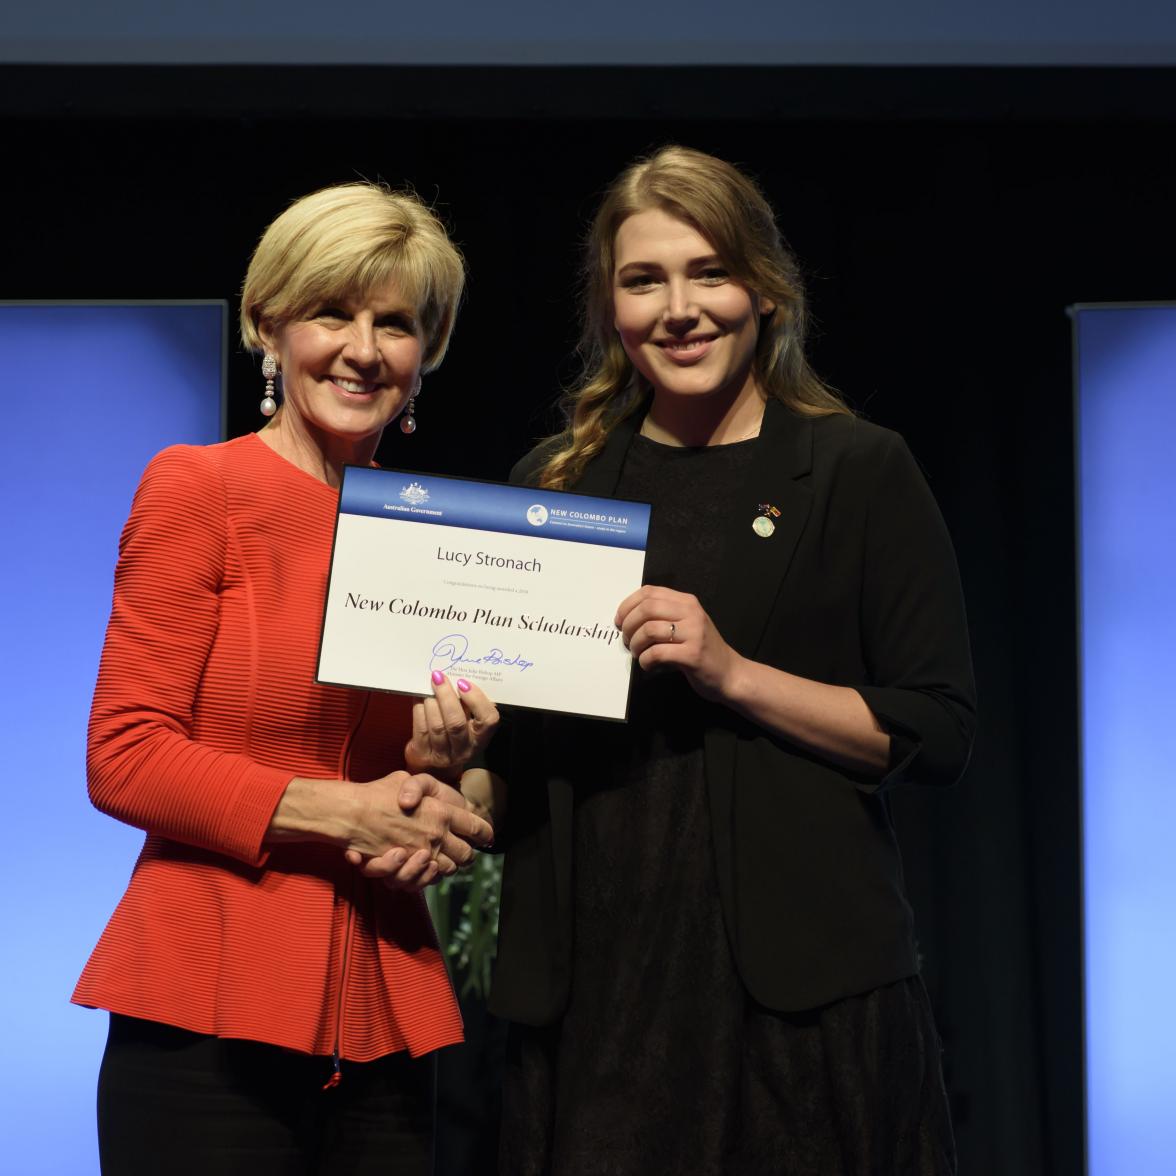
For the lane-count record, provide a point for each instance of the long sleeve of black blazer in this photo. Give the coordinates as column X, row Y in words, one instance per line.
column 857, row 587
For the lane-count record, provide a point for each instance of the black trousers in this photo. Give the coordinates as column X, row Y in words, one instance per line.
column 190, row 1105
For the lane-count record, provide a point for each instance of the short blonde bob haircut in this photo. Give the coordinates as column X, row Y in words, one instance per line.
column 731, row 212
column 346, row 241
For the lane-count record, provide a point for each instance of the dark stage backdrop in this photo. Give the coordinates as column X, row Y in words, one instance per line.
column 945, row 218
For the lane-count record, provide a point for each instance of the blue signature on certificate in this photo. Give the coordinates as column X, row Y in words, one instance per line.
column 453, row 650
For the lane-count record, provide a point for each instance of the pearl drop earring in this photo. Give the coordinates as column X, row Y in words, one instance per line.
column 408, row 421
column 269, row 369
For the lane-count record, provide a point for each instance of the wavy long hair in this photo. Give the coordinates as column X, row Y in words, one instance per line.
column 730, row 211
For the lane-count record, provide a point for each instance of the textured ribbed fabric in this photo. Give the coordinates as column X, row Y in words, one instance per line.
column 205, row 708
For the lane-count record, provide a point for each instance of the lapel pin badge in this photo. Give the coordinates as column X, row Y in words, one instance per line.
column 763, row 524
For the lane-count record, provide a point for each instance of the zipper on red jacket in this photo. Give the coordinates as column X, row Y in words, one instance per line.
column 336, row 1053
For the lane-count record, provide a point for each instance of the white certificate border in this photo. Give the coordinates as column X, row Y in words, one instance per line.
column 470, row 482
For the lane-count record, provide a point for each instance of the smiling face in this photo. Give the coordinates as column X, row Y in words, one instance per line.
column 349, row 367
column 687, row 325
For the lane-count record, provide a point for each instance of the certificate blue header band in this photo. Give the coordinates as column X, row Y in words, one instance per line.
column 490, row 506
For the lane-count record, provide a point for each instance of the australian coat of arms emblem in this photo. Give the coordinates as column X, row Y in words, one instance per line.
column 414, row 493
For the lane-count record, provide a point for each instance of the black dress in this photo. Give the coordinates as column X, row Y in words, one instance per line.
column 661, row 1061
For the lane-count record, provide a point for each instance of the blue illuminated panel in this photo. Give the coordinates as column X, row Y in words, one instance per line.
column 89, row 393
column 1126, row 410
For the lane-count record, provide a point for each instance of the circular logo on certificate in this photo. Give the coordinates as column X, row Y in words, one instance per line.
column 763, row 526
column 537, row 514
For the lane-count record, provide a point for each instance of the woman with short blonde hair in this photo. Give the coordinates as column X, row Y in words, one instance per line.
column 349, row 238
column 275, row 988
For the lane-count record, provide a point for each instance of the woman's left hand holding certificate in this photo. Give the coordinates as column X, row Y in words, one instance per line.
column 449, row 728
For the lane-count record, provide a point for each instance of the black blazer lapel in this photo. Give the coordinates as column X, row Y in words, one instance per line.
column 754, row 567
column 753, row 572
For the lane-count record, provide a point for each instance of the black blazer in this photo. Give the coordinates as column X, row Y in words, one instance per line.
column 857, row 587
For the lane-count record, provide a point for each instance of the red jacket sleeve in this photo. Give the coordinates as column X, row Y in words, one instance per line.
column 143, row 765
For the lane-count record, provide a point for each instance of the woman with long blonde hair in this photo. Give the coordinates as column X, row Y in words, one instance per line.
column 706, row 954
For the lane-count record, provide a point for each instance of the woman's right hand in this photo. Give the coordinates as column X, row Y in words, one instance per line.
column 413, row 829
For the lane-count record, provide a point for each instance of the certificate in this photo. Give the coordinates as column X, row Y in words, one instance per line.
column 511, row 587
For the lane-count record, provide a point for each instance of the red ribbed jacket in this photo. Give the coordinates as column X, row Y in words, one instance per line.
column 205, row 708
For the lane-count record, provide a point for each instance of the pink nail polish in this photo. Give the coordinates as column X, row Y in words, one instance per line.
column 438, row 677
column 463, row 686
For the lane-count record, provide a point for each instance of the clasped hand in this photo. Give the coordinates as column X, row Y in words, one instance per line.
column 414, row 829
column 427, row 828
